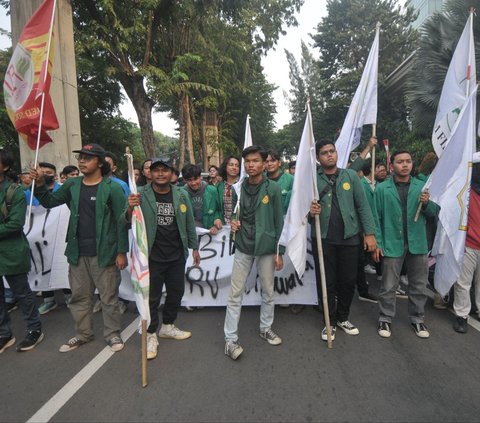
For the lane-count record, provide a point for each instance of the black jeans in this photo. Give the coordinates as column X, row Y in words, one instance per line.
column 26, row 300
column 172, row 274
column 362, row 285
column 341, row 264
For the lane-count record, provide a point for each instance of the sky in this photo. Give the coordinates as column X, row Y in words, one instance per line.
column 274, row 63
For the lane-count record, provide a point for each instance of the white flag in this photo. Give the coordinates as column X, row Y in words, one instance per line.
column 460, row 81
column 449, row 187
column 363, row 110
column 139, row 270
column 247, row 143
column 294, row 234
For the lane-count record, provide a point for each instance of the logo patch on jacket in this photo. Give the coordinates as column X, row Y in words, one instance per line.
column 183, row 208
column 346, row 186
column 266, row 199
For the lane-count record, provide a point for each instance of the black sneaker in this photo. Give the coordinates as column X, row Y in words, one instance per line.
column 368, row 297
column 33, row 338
column 6, row 342
column 384, row 329
column 461, row 324
column 421, row 330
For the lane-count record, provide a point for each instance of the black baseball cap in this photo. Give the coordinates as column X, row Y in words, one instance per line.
column 92, row 150
column 162, row 160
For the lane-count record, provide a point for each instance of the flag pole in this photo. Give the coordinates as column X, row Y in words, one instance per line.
column 131, row 172
column 374, row 135
column 40, row 121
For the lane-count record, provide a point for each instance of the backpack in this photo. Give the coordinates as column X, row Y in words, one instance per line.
column 6, row 206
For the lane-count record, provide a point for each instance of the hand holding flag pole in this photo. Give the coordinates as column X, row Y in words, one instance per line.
column 419, row 208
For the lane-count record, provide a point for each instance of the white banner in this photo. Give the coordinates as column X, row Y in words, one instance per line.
column 205, row 285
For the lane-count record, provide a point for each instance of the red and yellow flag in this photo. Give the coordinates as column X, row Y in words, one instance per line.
column 29, row 75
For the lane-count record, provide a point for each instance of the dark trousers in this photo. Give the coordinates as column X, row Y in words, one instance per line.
column 172, row 274
column 341, row 264
column 26, row 300
column 362, row 285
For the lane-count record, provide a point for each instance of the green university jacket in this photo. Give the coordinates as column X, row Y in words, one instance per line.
column 268, row 218
column 14, row 248
column 367, row 188
column 286, row 184
column 210, row 207
column 356, row 214
column 183, row 216
column 112, row 237
column 388, row 218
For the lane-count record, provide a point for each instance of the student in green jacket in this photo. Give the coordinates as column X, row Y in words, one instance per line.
column 227, row 196
column 15, row 259
column 257, row 232
column 275, row 173
column 346, row 221
column 96, row 243
column 204, row 199
column 171, row 231
column 401, row 239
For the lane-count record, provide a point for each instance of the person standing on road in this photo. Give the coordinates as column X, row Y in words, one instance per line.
column 257, row 232
column 15, row 260
column 96, row 243
column 471, row 261
column 171, row 231
column 346, row 221
column 401, row 239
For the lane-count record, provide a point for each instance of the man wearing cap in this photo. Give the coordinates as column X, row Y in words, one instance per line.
column 471, row 261
column 96, row 243
column 170, row 225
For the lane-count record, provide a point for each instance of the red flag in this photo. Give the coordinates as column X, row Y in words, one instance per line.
column 29, row 75
column 385, row 144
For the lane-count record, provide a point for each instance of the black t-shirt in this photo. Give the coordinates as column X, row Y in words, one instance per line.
column 245, row 238
column 168, row 244
column 402, row 188
column 87, row 236
column 336, row 227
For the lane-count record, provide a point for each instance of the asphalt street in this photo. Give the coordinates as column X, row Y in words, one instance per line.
column 363, row 378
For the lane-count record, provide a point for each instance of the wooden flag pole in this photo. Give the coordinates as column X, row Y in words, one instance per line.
column 144, row 355
column 419, row 209
column 131, row 173
column 372, row 176
column 326, row 314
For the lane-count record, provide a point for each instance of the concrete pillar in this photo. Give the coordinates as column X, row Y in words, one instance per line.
column 63, row 88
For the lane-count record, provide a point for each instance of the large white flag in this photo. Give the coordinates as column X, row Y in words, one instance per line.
column 294, row 234
column 247, row 143
column 139, row 270
column 460, row 81
column 449, row 187
column 363, row 110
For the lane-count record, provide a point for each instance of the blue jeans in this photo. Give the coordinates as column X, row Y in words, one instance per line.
column 242, row 265
column 417, row 272
column 26, row 300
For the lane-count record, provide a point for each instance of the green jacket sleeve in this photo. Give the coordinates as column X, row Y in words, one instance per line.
column 119, row 203
column 16, row 216
column 378, row 215
column 363, row 208
column 278, row 216
column 431, row 210
column 190, row 223
column 50, row 199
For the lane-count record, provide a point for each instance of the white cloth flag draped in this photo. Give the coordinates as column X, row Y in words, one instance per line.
column 363, row 110
column 247, row 143
column 139, row 270
column 294, row 234
column 460, row 81
column 449, row 187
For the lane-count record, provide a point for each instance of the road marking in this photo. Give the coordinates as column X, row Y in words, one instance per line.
column 50, row 408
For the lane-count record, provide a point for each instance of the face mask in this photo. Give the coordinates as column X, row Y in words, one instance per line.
column 49, row 179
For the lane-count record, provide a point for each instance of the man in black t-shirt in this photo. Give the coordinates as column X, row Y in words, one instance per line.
column 171, row 231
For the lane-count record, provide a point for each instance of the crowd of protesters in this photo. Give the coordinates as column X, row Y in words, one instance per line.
column 368, row 225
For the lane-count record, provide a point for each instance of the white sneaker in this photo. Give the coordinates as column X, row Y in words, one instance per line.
column 348, row 328
column 369, row 269
column 97, row 306
column 172, row 332
column 270, row 336
column 404, row 280
column 152, row 345
column 332, row 332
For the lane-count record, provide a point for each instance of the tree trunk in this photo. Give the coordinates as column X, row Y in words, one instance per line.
column 182, row 134
column 188, row 120
column 143, row 106
column 204, row 140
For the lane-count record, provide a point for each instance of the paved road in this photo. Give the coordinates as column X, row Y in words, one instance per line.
column 363, row 378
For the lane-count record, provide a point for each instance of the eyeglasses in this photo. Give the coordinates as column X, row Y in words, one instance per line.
column 327, row 152
column 83, row 157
